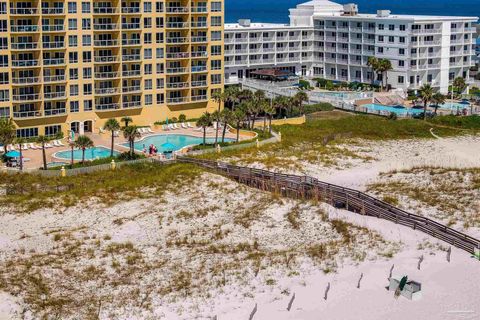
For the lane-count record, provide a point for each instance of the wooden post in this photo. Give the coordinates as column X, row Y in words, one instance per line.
column 358, row 284
column 391, row 270
column 420, row 260
column 291, row 302
column 253, row 312
column 449, row 252
column 326, row 291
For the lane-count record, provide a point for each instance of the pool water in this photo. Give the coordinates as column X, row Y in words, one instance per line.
column 454, row 106
column 178, row 140
column 90, row 154
column 394, row 109
column 56, row 164
column 339, row 95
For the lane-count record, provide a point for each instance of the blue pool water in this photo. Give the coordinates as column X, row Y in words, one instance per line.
column 178, row 140
column 394, row 109
column 343, row 95
column 90, row 154
column 454, row 106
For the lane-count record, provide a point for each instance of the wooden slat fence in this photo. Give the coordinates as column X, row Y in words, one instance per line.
column 305, row 187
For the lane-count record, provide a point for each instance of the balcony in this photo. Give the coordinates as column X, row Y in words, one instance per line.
column 105, row 26
column 106, row 75
column 178, row 40
column 104, row 10
column 199, row 98
column 177, row 70
column 202, row 83
column 25, row 28
column 199, row 54
column 131, row 42
column 53, row 62
column 199, row 39
column 27, row 114
column 132, row 104
column 25, row 63
column 53, row 28
column 107, row 91
column 178, row 55
column 23, row 11
column 131, row 57
column 53, row 11
column 105, row 43
column 55, row 78
column 131, row 10
column 24, row 46
column 55, row 112
column 132, row 73
column 177, row 100
column 421, row 31
column 132, row 89
column 199, row 10
column 198, row 25
column 54, row 45
column 199, row 69
column 131, row 26
column 177, row 25
column 178, row 85
column 26, row 97
column 23, row 80
column 105, row 59
column 176, row 10
column 55, row 95
column 107, row 107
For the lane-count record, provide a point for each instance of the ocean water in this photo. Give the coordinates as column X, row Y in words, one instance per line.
column 277, row 10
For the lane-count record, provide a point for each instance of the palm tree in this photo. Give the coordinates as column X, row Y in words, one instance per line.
column 238, row 117
column 72, row 145
column 226, row 116
column 83, row 142
column 459, row 84
column 384, row 65
column 219, row 97
column 437, row 100
column 299, row 98
column 426, row 94
column 20, row 141
column 204, row 121
column 126, row 120
column 269, row 112
column 7, row 132
column 112, row 125
column 280, row 103
column 215, row 117
column 42, row 140
column 372, row 62
column 232, row 95
column 131, row 133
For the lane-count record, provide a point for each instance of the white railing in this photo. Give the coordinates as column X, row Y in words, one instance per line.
column 177, row 100
column 131, row 89
column 55, row 112
column 103, row 10
column 177, row 85
column 54, row 95
column 28, row 80
column 54, row 78
column 106, row 75
column 106, row 91
column 25, row 63
column 105, row 43
column 199, row 98
column 23, row 11
column 131, row 104
column 53, row 45
column 106, row 59
column 178, row 55
column 199, row 83
column 177, row 25
column 131, row 73
column 108, row 106
column 26, row 97
column 105, row 26
column 51, row 11
column 178, row 70
column 199, row 54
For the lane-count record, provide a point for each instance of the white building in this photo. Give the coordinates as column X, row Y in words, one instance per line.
column 328, row 40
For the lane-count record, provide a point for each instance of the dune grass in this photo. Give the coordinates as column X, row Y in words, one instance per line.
column 30, row 192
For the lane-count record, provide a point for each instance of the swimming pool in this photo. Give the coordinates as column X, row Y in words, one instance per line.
column 178, row 140
column 454, row 106
column 54, row 164
column 395, row 109
column 90, row 154
column 339, row 95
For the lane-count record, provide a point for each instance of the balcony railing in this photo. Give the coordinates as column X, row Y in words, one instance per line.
column 24, row 46
column 104, row 10
column 29, row 80
column 23, row 11
column 131, row 57
column 177, row 70
column 105, row 43
column 26, row 97
column 25, row 28
column 55, row 112
column 177, row 25
column 55, row 95
column 131, row 73
column 131, row 10
column 202, row 83
column 105, row 26
column 51, row 62
column 53, row 28
column 131, row 42
column 55, row 78
column 107, row 106
column 202, row 97
column 130, row 26
column 53, row 45
column 53, row 11
column 199, row 54
column 106, row 75
column 25, row 63
column 178, row 40
column 176, row 10
column 417, row 31
column 199, row 9
column 132, row 104
column 27, row 114
column 178, row 85
column 107, row 91
column 199, row 68
column 199, row 39
column 105, row 59
column 178, row 55
column 177, row 100
column 131, row 89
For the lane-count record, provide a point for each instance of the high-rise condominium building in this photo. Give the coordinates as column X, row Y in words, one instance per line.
column 71, row 65
column 328, row 40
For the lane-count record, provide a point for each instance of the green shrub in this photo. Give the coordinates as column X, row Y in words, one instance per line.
column 304, row 84
column 323, row 106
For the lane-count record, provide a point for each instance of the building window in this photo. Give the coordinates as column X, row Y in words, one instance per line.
column 87, row 105
column 148, row 99
column 51, row 131
column 216, row 35
column 148, row 84
column 72, row 41
column 4, row 78
column 4, row 61
column 73, row 57
column 72, row 24
column 72, row 7
column 3, row 43
column 87, row 40
column 27, row 133
column 216, row 21
column 159, row 53
column 87, row 89
column 216, row 6
column 160, row 83
column 74, row 90
column 85, row 7
column 216, row 79
column 217, row 50
column 86, row 24
column 4, row 96
column 401, row 63
column 147, row 7
column 87, row 73
column 147, row 53
column 160, row 98
column 4, row 112
column 401, row 79
column 147, row 69
column 216, row 64
column 74, row 106
column 391, row 27
column 73, row 74
column 87, row 56
column 403, row 27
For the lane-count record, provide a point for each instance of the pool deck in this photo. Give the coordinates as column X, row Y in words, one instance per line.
column 104, row 140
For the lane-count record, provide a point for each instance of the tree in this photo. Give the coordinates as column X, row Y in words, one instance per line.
column 459, row 84
column 112, row 125
column 437, row 100
column 372, row 62
column 182, row 118
column 269, row 112
column 131, row 133
column 20, row 141
column 299, row 98
column 426, row 94
column 219, row 97
column 384, row 65
column 126, row 120
column 7, row 132
column 204, row 121
column 226, row 116
column 83, row 143
column 280, row 103
column 238, row 118
column 42, row 140
column 232, row 95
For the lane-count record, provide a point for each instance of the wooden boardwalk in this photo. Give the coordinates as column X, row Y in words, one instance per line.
column 305, row 187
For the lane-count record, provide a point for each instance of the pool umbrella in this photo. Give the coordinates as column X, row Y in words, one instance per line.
column 167, row 146
column 12, row 154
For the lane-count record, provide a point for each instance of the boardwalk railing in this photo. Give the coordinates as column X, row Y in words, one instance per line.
column 305, row 187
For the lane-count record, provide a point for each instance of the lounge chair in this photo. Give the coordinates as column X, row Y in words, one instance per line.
column 189, row 125
column 150, row 130
column 116, row 133
column 33, row 146
column 175, row 126
column 25, row 146
column 141, row 130
column 165, row 127
column 60, row 143
column 48, row 145
column 184, row 126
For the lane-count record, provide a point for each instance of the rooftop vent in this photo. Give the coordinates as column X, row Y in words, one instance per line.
column 383, row 13
column 350, row 9
column 244, row 22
